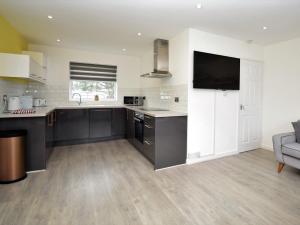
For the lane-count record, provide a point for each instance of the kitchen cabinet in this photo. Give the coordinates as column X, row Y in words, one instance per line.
column 100, row 123
column 21, row 66
column 130, row 126
column 89, row 125
column 71, row 124
column 165, row 140
column 50, row 123
column 170, row 141
column 149, row 138
column 35, row 141
column 118, row 122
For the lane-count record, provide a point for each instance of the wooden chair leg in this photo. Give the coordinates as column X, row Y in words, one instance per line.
column 280, row 167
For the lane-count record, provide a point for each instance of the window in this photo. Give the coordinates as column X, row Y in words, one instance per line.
column 90, row 80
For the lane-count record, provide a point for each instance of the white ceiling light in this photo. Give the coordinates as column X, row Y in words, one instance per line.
column 50, row 17
column 124, row 49
column 58, row 40
column 139, row 34
column 199, row 6
column 265, row 28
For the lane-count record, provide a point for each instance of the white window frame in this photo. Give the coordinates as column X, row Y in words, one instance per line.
column 115, row 99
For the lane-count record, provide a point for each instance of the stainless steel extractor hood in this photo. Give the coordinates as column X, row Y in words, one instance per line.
column 161, row 60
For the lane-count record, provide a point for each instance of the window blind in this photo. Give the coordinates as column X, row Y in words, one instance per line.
column 89, row 71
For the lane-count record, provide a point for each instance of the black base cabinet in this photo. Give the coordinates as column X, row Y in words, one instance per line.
column 118, row 123
column 78, row 126
column 50, row 123
column 36, row 155
column 165, row 139
column 130, row 126
column 71, row 124
column 100, row 123
column 170, row 141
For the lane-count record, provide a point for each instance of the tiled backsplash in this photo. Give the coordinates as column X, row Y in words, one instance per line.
column 10, row 88
column 59, row 95
column 160, row 97
column 164, row 97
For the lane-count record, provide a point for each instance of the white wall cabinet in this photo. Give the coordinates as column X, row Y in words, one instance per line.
column 21, row 66
column 226, row 122
column 213, row 125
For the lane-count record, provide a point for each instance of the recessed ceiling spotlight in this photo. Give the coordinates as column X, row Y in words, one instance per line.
column 124, row 49
column 58, row 40
column 199, row 6
column 139, row 34
column 50, row 17
column 265, row 28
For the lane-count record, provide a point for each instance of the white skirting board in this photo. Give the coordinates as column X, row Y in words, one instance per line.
column 210, row 157
column 36, row 171
column 267, row 147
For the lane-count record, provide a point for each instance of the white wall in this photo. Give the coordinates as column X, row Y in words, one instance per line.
column 178, row 59
column 213, row 116
column 58, row 68
column 281, row 89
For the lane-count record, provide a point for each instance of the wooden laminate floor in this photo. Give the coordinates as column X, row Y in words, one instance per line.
column 111, row 183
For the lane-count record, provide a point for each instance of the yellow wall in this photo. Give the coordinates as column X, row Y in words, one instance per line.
column 10, row 40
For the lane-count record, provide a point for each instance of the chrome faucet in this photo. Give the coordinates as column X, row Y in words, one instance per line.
column 79, row 103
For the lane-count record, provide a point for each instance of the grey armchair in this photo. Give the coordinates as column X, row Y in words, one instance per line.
column 287, row 150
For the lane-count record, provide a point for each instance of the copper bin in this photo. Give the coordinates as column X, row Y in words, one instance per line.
column 12, row 156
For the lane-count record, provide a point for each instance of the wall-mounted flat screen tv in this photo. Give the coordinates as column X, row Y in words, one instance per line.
column 216, row 72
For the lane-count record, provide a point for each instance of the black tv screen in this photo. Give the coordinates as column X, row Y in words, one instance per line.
column 216, row 71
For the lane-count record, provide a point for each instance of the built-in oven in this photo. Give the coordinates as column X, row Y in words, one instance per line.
column 139, row 126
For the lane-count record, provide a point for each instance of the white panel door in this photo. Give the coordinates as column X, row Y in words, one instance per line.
column 250, row 105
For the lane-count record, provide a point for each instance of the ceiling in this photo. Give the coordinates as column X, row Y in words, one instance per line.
column 111, row 25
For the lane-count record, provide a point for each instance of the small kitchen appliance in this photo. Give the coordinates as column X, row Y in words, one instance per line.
column 39, row 102
column 134, row 100
column 14, row 103
column 26, row 102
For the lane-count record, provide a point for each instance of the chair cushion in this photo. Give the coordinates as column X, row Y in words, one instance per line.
column 296, row 126
column 292, row 149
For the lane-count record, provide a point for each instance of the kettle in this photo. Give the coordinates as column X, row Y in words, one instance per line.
column 14, row 103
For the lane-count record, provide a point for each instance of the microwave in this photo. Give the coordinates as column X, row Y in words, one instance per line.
column 134, row 100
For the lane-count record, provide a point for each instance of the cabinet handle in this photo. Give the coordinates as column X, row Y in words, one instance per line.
column 147, row 142
column 54, row 116
column 50, row 120
column 136, row 119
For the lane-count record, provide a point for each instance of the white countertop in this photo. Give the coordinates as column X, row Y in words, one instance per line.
column 44, row 111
